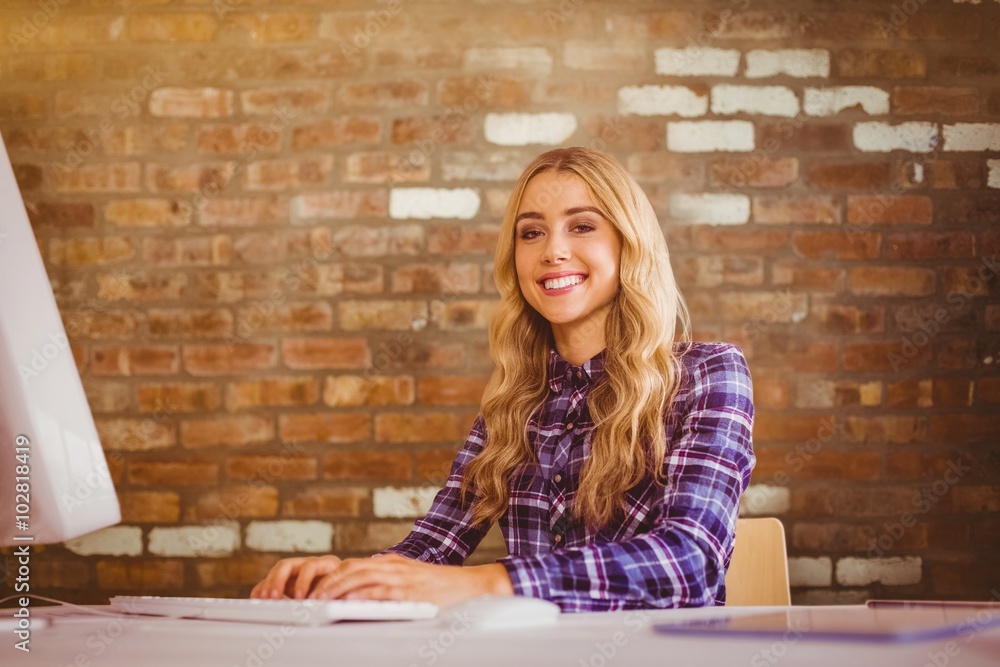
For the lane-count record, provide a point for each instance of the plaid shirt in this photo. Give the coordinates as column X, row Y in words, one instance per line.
column 672, row 547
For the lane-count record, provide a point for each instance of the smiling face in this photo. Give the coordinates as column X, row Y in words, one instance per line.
column 567, row 257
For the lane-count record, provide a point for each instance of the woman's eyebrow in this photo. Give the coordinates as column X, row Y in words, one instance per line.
column 568, row 212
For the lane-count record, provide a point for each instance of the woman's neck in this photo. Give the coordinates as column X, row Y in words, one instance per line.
column 577, row 349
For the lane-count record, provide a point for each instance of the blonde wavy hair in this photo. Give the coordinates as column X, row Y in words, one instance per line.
column 641, row 370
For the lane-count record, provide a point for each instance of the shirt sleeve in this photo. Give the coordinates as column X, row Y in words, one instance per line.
column 682, row 560
column 445, row 535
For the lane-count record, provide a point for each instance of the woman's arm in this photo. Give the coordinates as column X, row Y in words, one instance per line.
column 681, row 561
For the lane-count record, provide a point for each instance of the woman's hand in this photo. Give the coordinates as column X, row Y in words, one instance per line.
column 393, row 577
column 294, row 577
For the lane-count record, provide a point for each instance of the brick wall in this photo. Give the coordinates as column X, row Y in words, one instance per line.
column 270, row 227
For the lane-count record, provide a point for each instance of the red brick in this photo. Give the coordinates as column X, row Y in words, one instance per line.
column 206, row 360
column 981, row 208
column 140, row 287
column 150, row 506
column 815, row 278
column 671, row 24
column 99, row 325
column 245, row 212
column 755, row 172
column 28, row 176
column 74, row 574
column 326, row 427
column 748, row 24
column 889, row 210
column 191, row 103
column 206, row 179
column 492, row 92
column 966, row 65
column 442, row 129
column 246, row 137
column 357, row 390
column 930, row 245
column 338, row 131
column 662, row 167
column 141, row 360
column 288, row 174
column 988, row 389
column 958, row 354
column 434, row 465
column 839, row 319
column 234, row 502
column 189, row 323
column 268, row 468
column 275, row 391
column 361, row 464
column 451, row 390
column 462, row 239
column 895, row 356
column 844, row 27
column 952, row 392
column 178, row 397
column 837, row 245
column 891, row 281
column 241, row 571
column 940, row 25
column 953, row 174
column 226, row 431
column 91, row 251
column 135, row 434
column 924, row 100
column 326, row 502
column 770, row 393
column 756, row 242
column 909, row 394
column 173, row 473
column 853, row 176
column 880, row 63
column 381, row 167
column 785, row 427
column 780, row 209
column 173, row 27
column 888, row 429
column 793, row 135
column 61, row 215
column 796, row 353
column 384, row 95
column 325, row 353
column 964, row 428
column 292, row 317
column 213, row 250
column 140, row 575
column 424, row 427
column 966, row 281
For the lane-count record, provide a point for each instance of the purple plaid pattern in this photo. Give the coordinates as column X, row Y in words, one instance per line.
column 673, row 544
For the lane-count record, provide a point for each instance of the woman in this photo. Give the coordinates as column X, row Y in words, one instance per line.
column 612, row 450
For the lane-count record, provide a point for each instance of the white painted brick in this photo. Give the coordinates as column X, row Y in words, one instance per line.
column 893, row 571
column 800, row 63
column 219, row 539
column 533, row 58
column 831, row 101
column 811, row 572
column 697, row 61
column 662, row 101
column 710, row 208
column 710, row 135
column 765, row 500
column 876, row 137
column 113, row 541
column 523, row 129
column 427, row 203
column 972, row 137
column 499, row 165
column 288, row 536
column 407, row 502
column 765, row 100
column 994, row 172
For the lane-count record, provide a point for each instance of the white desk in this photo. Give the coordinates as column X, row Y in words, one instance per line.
column 578, row 640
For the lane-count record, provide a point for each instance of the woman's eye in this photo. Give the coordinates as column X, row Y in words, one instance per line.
column 584, row 226
column 528, row 235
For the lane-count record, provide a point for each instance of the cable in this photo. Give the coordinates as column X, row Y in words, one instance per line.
column 63, row 603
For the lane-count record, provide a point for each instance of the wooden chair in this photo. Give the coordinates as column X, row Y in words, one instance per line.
column 758, row 570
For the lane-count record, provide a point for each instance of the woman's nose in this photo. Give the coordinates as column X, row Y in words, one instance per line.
column 556, row 248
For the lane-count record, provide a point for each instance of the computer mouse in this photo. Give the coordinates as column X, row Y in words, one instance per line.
column 499, row 612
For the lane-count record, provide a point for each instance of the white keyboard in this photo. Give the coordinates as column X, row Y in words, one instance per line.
column 285, row 612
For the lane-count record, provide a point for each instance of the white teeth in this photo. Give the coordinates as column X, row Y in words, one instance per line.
column 559, row 283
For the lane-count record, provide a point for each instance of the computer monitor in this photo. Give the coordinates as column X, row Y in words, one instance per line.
column 54, row 479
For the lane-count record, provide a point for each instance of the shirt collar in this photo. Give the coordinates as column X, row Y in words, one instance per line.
column 562, row 372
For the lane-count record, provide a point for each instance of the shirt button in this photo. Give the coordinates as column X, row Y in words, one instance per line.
column 569, row 426
column 558, row 539
column 577, row 375
column 557, row 478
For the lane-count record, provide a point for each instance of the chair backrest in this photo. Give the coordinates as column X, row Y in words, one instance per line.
column 758, row 570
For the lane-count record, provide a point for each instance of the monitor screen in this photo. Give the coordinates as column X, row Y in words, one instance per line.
column 54, row 479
